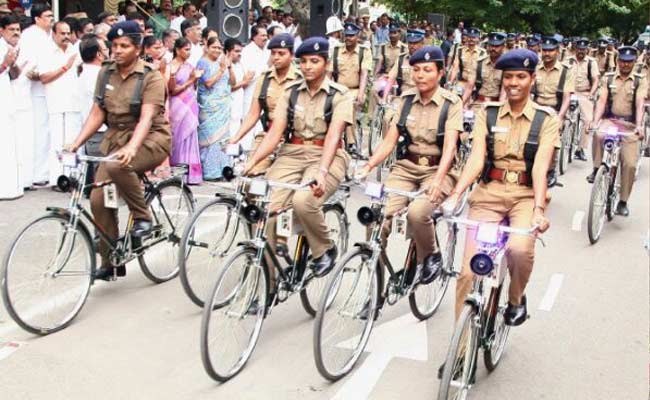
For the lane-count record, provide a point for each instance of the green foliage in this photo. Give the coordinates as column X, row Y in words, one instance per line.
column 621, row 18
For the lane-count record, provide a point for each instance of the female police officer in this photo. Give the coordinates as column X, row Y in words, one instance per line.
column 311, row 116
column 427, row 124
column 511, row 152
column 130, row 99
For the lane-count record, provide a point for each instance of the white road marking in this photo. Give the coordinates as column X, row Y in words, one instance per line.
column 551, row 292
column 402, row 337
column 576, row 224
column 6, row 349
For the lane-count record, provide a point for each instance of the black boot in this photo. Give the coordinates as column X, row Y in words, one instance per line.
column 580, row 155
column 365, row 312
column 141, row 228
column 324, row 264
column 516, row 315
column 431, row 268
column 109, row 273
column 592, row 176
column 622, row 210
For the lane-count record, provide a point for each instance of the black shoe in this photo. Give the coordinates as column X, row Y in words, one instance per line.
column 580, row 155
column 282, row 250
column 109, row 273
column 516, row 315
column 324, row 264
column 141, row 228
column 591, row 177
column 431, row 268
column 646, row 152
column 622, row 210
column 365, row 312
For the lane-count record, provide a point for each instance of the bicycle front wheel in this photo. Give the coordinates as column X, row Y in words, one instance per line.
column 337, row 222
column 215, row 230
column 376, row 128
column 597, row 205
column 171, row 206
column 47, row 274
column 566, row 138
column 496, row 328
column 460, row 363
column 341, row 332
column 233, row 315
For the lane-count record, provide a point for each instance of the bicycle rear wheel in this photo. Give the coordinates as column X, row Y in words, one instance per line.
column 337, row 222
column 566, row 138
column 171, row 207
column 47, row 274
column 460, row 364
column 496, row 329
column 340, row 334
column 233, row 315
column 598, row 204
column 613, row 192
column 376, row 131
column 215, row 230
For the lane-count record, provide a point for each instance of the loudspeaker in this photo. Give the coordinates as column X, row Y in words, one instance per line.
column 229, row 18
column 319, row 12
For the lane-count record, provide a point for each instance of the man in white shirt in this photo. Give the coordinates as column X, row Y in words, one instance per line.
column 191, row 30
column 287, row 24
column 58, row 72
column 189, row 11
column 255, row 58
column 93, row 53
column 458, row 33
column 10, row 184
column 34, row 43
column 233, row 50
column 169, row 38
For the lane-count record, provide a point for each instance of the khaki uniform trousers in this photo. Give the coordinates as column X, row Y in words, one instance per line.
column 297, row 164
column 587, row 115
column 493, row 202
column 407, row 176
column 351, row 130
column 629, row 152
column 129, row 187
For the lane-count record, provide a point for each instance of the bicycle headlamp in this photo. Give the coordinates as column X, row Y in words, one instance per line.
column 481, row 264
column 252, row 213
column 228, row 173
column 367, row 216
column 66, row 183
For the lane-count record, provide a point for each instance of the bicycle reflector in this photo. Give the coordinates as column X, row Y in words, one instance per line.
column 65, row 183
column 366, row 216
column 228, row 173
column 252, row 213
column 481, row 264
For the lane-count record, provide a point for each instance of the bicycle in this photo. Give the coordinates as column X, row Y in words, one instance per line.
column 213, row 231
column 349, row 305
column 481, row 322
column 605, row 191
column 64, row 259
column 570, row 134
column 644, row 145
column 243, row 290
column 376, row 128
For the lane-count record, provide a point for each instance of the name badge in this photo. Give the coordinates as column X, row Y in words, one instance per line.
column 410, row 118
column 109, row 87
column 299, row 108
column 500, row 129
column 612, row 86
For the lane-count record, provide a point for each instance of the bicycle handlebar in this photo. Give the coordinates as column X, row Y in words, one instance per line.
column 281, row 185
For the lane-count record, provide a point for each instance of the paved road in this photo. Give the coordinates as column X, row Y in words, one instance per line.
column 587, row 337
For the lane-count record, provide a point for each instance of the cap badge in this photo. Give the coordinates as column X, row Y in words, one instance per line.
column 526, row 62
column 316, row 46
column 120, row 32
column 283, row 43
column 427, row 56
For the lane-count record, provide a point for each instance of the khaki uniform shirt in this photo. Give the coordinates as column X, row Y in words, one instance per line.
column 309, row 114
column 391, row 52
column 622, row 91
column 120, row 121
column 606, row 61
column 470, row 59
column 348, row 65
column 422, row 121
column 491, row 86
column 645, row 71
column 547, row 83
column 407, row 82
column 581, row 72
column 276, row 86
column 511, row 132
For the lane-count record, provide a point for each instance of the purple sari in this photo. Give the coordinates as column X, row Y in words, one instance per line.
column 184, row 118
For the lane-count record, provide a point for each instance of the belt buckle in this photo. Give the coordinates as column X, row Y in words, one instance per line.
column 512, row 177
column 423, row 161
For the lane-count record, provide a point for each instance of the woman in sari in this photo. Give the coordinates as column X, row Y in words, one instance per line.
column 214, row 108
column 184, row 111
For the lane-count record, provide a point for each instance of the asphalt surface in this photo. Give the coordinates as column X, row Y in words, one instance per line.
column 587, row 337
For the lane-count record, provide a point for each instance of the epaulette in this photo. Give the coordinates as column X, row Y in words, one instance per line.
column 638, row 74
column 338, row 87
column 294, row 83
column 566, row 64
column 548, row 110
column 482, row 57
column 409, row 92
column 452, row 97
column 404, row 53
column 494, row 103
column 612, row 73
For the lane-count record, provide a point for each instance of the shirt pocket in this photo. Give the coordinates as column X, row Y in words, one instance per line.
column 500, row 144
column 320, row 126
column 299, row 120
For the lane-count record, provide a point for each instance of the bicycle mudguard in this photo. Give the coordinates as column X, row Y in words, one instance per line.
column 363, row 246
column 64, row 212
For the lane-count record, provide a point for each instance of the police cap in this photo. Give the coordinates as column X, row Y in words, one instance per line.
column 627, row 53
column 518, row 60
column 427, row 54
column 125, row 28
column 414, row 35
column 393, row 27
column 313, row 45
column 549, row 43
column 532, row 40
column 281, row 41
column 497, row 38
column 350, row 29
column 582, row 43
column 473, row 32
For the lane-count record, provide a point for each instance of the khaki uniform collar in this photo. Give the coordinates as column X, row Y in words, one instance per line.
column 292, row 74
column 137, row 68
column 529, row 110
column 437, row 98
column 617, row 75
column 324, row 86
column 345, row 49
column 557, row 65
column 398, row 45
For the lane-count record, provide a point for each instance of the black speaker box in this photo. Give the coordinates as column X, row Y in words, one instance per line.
column 229, row 18
column 319, row 12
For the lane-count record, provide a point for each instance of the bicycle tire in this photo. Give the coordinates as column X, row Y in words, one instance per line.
column 598, row 188
column 495, row 324
column 464, row 321
column 614, row 192
column 328, row 306
column 23, row 317
column 174, row 228
column 315, row 287
column 197, row 288
column 215, row 305
column 563, row 148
